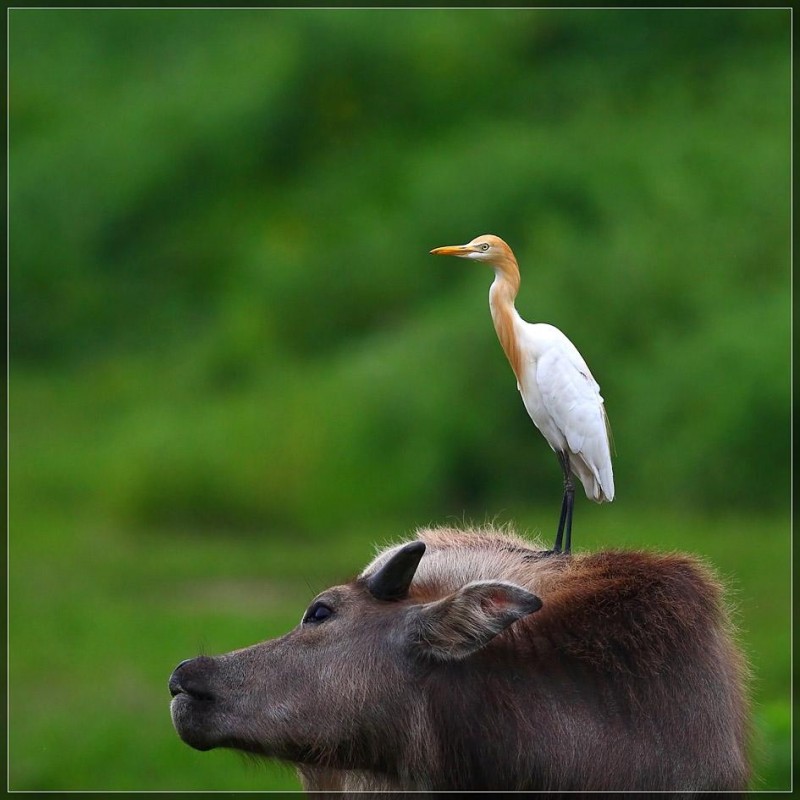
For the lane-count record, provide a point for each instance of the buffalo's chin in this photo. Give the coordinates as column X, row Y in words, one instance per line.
column 193, row 722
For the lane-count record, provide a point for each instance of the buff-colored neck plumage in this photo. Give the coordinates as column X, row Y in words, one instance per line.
column 501, row 303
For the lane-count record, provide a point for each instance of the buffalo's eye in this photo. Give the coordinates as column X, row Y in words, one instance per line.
column 318, row 612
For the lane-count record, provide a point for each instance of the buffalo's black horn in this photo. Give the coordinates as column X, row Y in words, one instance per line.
column 392, row 580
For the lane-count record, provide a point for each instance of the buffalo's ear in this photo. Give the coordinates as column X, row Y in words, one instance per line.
column 467, row 620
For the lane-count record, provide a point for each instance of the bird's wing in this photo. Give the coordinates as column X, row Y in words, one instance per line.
column 571, row 396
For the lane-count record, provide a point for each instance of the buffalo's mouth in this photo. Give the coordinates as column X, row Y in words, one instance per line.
column 193, row 706
column 191, row 722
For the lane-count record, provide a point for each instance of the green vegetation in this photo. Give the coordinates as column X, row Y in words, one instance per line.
column 235, row 368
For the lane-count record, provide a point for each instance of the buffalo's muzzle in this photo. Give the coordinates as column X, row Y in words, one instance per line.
column 192, row 677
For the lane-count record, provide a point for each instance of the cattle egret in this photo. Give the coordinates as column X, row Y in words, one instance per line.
column 558, row 390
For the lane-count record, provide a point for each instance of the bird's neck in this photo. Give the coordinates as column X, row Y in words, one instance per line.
column 501, row 303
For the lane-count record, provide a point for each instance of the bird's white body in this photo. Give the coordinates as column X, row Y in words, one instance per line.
column 559, row 392
column 564, row 402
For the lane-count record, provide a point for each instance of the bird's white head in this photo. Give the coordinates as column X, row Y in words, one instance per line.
column 488, row 248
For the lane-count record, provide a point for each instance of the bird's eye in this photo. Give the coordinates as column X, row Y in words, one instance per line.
column 485, row 246
column 318, row 612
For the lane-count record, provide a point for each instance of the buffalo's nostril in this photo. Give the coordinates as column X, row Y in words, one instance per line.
column 191, row 677
column 174, row 681
column 174, row 685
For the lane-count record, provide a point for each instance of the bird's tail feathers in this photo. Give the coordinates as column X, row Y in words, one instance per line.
column 599, row 486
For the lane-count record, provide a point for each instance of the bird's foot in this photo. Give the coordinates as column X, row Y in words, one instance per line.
column 547, row 553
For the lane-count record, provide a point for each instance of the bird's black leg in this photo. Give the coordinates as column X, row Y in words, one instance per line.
column 561, row 520
column 565, row 519
column 569, row 498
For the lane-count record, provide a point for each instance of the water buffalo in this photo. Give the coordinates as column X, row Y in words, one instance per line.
column 467, row 659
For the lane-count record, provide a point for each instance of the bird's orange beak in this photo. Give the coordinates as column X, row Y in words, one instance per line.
column 452, row 250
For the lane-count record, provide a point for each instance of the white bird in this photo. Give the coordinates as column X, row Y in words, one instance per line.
column 558, row 390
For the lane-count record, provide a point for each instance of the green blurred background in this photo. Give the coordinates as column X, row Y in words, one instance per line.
column 235, row 369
